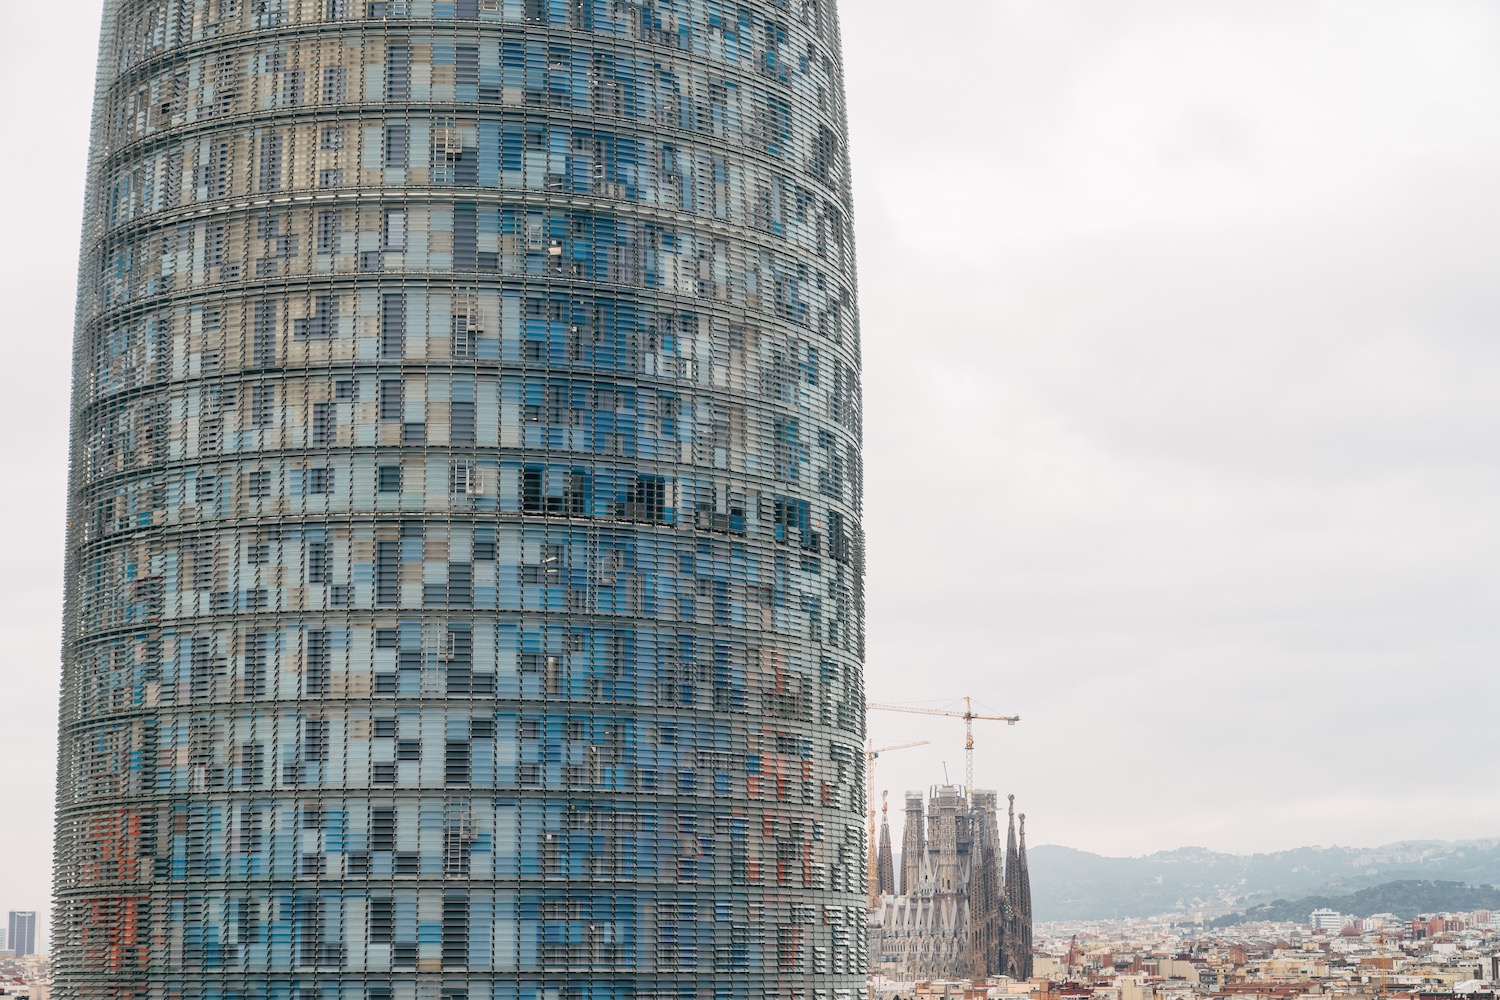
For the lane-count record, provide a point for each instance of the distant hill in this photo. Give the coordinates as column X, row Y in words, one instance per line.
column 1406, row 899
column 1069, row 884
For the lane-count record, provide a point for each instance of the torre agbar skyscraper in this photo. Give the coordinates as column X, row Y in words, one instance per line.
column 464, row 570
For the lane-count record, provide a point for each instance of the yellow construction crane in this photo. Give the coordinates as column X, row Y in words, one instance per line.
column 968, row 715
column 872, row 754
column 1380, row 991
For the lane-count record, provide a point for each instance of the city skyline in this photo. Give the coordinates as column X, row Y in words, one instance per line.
column 1151, row 543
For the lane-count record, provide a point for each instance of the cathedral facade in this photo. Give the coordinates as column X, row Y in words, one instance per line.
column 963, row 906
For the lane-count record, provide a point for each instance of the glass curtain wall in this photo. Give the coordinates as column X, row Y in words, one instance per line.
column 465, row 563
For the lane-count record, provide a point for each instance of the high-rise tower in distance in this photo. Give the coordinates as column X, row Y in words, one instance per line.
column 20, row 934
column 465, row 566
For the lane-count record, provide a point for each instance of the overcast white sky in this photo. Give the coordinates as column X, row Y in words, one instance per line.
column 1183, row 391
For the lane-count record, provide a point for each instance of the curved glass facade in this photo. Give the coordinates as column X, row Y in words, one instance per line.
column 465, row 560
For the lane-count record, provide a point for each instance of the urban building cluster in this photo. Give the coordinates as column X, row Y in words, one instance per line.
column 26, row 979
column 24, row 973
column 1327, row 955
column 465, row 565
column 1445, row 956
column 18, row 934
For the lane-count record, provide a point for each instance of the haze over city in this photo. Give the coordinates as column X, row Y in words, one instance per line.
column 1192, row 464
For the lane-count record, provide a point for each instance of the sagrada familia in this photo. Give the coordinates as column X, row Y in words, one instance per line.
column 963, row 910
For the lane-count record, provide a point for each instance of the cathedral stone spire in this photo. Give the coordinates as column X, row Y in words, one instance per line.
column 885, row 868
column 1011, row 962
column 1012, row 863
column 913, row 844
column 1023, row 918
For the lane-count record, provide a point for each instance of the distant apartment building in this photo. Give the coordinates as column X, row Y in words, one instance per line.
column 21, row 932
column 1325, row 919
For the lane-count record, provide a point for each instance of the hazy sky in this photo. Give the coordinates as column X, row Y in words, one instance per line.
column 1182, row 408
